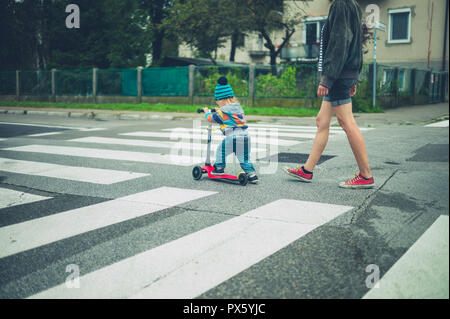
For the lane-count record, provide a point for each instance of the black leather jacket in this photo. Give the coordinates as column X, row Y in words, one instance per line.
column 341, row 55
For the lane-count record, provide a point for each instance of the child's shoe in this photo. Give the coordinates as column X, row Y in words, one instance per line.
column 253, row 178
column 218, row 171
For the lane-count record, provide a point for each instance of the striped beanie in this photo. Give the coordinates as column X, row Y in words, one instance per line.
column 223, row 89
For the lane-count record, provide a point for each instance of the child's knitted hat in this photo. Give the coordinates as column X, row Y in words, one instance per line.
column 223, row 89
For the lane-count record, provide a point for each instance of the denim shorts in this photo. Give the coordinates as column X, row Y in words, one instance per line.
column 339, row 93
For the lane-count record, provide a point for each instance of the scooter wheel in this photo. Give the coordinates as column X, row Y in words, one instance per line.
column 243, row 179
column 197, row 173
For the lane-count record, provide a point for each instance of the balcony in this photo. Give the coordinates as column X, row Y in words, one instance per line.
column 300, row 52
column 258, row 53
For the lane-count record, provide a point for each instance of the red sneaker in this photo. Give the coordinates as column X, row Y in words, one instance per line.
column 299, row 173
column 358, row 182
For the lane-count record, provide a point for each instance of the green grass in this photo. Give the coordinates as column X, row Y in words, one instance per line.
column 268, row 111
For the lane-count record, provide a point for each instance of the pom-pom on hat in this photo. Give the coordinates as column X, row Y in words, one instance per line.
column 223, row 89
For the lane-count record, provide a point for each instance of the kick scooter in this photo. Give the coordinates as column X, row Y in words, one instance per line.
column 198, row 171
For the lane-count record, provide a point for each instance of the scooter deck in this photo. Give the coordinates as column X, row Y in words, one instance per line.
column 209, row 170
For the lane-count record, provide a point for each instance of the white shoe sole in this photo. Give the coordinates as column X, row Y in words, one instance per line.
column 343, row 185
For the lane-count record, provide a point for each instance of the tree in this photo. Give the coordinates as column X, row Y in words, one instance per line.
column 238, row 23
column 157, row 11
column 268, row 16
column 34, row 35
column 199, row 23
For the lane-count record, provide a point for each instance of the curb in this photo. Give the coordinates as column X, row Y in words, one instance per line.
column 88, row 114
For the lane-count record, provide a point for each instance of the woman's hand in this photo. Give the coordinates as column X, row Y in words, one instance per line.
column 322, row 91
column 206, row 110
column 353, row 90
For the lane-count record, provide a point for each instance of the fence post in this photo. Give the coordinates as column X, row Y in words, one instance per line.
column 395, row 92
column 17, row 86
column 53, row 86
column 139, row 84
column 94, row 84
column 429, row 85
column 443, row 83
column 251, row 85
column 412, row 85
column 445, row 87
column 372, row 90
column 191, row 83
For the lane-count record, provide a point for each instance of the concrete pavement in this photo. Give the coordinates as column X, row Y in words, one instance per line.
column 406, row 115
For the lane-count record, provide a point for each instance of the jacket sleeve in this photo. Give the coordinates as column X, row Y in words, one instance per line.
column 214, row 117
column 338, row 44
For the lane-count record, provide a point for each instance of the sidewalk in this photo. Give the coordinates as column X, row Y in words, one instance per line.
column 407, row 115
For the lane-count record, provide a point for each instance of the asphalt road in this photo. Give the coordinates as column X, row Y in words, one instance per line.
column 309, row 240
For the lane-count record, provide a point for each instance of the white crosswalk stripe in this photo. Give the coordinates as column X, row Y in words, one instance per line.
column 146, row 143
column 21, row 237
column 439, row 124
column 74, row 173
column 44, row 134
column 109, row 154
column 216, row 137
column 254, row 132
column 9, row 197
column 426, row 260
column 193, row 264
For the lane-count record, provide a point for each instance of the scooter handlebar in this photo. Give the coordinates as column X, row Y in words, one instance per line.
column 201, row 110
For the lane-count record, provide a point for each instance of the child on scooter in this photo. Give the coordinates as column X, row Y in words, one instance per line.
column 231, row 118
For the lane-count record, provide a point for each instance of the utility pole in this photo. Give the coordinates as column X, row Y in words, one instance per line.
column 382, row 27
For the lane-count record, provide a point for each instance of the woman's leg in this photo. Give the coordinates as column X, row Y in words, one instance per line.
column 345, row 117
column 323, row 120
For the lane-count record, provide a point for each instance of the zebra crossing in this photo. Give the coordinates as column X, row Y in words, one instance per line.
column 181, row 268
column 152, row 273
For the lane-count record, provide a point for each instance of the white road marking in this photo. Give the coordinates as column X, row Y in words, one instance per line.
column 438, row 124
column 146, row 143
column 42, row 231
column 44, row 134
column 180, row 135
column 300, row 127
column 193, row 264
column 83, row 129
column 74, row 173
column 422, row 272
column 109, row 154
column 267, row 130
column 252, row 132
column 9, row 197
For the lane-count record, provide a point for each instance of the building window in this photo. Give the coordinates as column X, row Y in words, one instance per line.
column 311, row 36
column 260, row 42
column 388, row 77
column 400, row 26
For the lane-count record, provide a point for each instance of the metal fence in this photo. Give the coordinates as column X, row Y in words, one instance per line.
column 394, row 86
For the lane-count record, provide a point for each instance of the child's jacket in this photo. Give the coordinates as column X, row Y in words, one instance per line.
column 230, row 117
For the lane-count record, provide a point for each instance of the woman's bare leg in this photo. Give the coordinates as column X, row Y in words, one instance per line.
column 323, row 120
column 345, row 117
